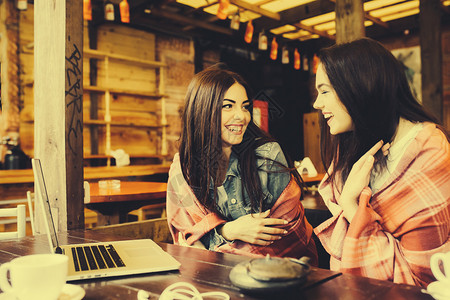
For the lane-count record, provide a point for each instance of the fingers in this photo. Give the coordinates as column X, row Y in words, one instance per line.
column 368, row 164
column 273, row 221
column 266, row 239
column 385, row 149
column 273, row 230
column 262, row 215
column 375, row 148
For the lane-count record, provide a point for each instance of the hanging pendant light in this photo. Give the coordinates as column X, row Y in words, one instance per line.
column 109, row 11
column 22, row 4
column 222, row 12
column 284, row 56
column 124, row 11
column 296, row 59
column 274, row 49
column 235, row 21
column 305, row 63
column 262, row 41
column 249, row 32
column 87, row 10
column 315, row 63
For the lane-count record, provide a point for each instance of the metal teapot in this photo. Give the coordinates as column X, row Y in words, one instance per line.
column 270, row 274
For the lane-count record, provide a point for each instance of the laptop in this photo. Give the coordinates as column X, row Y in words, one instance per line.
column 102, row 259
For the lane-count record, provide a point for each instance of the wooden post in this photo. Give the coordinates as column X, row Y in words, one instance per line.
column 58, row 90
column 349, row 20
column 431, row 56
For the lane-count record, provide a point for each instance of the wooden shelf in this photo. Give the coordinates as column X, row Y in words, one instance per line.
column 91, row 53
column 157, row 93
column 122, row 124
column 98, row 89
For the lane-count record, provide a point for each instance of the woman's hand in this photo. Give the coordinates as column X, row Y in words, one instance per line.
column 358, row 179
column 254, row 229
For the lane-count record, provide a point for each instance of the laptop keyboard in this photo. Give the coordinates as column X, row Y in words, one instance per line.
column 96, row 257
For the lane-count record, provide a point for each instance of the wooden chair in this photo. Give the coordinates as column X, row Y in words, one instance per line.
column 19, row 213
column 30, row 199
column 155, row 229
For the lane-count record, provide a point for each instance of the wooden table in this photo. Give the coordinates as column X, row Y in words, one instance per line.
column 208, row 271
column 113, row 205
column 26, row 175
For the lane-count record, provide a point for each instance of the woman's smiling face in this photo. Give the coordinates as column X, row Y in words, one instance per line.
column 235, row 115
column 338, row 118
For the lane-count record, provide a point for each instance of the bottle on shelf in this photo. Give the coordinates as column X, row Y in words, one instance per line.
column 15, row 158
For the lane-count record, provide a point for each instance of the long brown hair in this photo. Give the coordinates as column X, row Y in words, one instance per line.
column 201, row 140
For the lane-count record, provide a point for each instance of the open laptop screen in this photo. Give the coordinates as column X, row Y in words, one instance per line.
column 42, row 189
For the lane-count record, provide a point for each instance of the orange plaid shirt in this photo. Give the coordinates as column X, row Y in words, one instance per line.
column 189, row 220
column 393, row 236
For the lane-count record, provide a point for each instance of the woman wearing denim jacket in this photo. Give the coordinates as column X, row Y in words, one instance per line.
column 230, row 187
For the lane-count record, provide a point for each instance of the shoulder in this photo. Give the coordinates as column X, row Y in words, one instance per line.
column 431, row 147
column 269, row 150
column 175, row 167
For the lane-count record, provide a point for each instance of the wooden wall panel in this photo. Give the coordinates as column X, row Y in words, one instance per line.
column 26, row 50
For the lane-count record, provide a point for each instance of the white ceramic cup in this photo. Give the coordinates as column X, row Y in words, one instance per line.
column 441, row 259
column 37, row 276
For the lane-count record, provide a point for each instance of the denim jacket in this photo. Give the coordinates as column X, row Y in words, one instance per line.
column 229, row 197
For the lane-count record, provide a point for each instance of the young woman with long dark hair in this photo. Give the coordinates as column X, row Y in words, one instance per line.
column 388, row 162
column 230, row 187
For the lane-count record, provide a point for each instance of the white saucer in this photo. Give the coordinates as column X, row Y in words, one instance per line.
column 72, row 292
column 439, row 290
column 69, row 292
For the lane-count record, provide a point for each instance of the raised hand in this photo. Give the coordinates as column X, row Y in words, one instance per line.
column 254, row 229
column 358, row 179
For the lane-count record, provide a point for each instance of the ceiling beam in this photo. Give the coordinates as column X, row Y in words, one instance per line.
column 295, row 15
column 191, row 21
column 315, row 31
column 210, row 19
column 376, row 20
column 256, row 9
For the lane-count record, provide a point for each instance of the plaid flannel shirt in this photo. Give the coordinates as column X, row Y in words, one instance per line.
column 396, row 230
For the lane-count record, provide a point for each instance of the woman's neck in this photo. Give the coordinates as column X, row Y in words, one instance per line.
column 226, row 152
column 404, row 126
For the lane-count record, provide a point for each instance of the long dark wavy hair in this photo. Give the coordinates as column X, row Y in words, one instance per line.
column 201, row 140
column 372, row 85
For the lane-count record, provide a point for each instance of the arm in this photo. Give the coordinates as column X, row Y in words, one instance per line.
column 400, row 255
column 188, row 220
column 258, row 228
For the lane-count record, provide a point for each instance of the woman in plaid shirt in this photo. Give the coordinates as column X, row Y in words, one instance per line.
column 388, row 162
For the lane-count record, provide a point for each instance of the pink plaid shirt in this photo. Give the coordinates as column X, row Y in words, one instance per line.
column 396, row 230
column 187, row 216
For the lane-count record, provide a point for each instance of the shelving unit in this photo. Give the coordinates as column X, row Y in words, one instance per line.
column 108, row 91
